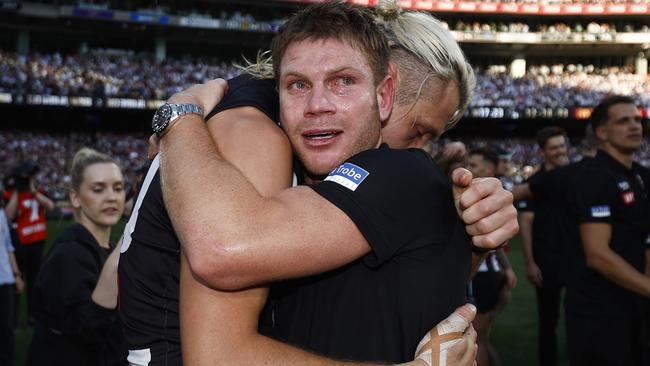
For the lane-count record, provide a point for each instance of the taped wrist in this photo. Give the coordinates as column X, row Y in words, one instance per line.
column 447, row 333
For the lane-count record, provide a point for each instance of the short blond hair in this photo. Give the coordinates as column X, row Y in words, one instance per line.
column 423, row 48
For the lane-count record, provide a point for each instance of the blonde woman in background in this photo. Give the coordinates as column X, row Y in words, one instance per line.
column 76, row 320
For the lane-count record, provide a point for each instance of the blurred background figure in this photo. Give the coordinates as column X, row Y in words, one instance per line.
column 451, row 156
column 10, row 283
column 545, row 253
column 494, row 280
column 75, row 295
column 26, row 208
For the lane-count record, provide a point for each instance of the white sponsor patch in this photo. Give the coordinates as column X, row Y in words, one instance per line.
column 624, row 185
column 348, row 175
column 600, row 211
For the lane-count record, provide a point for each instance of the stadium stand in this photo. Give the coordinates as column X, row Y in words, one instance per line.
column 90, row 73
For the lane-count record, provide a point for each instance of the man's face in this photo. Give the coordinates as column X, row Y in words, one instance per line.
column 330, row 107
column 555, row 151
column 413, row 125
column 480, row 167
column 623, row 130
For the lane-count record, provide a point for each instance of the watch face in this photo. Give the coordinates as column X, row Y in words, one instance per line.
column 161, row 119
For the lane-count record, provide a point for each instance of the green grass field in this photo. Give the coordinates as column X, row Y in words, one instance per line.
column 514, row 334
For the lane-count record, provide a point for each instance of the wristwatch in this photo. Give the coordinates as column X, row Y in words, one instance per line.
column 168, row 113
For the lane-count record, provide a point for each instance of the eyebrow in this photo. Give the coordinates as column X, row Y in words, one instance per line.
column 331, row 72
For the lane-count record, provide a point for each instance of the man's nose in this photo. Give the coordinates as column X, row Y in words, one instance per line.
column 319, row 101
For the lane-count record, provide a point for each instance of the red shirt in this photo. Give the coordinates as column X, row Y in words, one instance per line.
column 30, row 219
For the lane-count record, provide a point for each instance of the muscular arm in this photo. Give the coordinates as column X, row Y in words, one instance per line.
column 595, row 241
column 260, row 239
column 220, row 328
column 254, row 233
column 206, row 196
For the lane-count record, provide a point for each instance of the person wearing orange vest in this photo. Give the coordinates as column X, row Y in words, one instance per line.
column 26, row 207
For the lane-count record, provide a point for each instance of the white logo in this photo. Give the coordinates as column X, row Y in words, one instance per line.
column 600, row 211
column 624, row 186
column 348, row 175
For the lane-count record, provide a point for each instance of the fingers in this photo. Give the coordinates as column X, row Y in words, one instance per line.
column 436, row 343
column 464, row 352
column 458, row 321
column 206, row 95
column 534, row 279
column 461, row 177
column 489, row 214
column 469, row 357
column 497, row 237
column 484, row 198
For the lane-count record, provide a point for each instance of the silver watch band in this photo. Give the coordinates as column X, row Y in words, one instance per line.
column 183, row 109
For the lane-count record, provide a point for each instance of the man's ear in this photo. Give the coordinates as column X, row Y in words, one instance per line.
column 385, row 96
column 601, row 132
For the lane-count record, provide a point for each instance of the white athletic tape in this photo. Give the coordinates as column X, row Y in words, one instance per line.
column 449, row 333
column 453, row 323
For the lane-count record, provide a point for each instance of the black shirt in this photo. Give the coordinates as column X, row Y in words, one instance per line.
column 551, row 238
column 557, row 233
column 149, row 266
column 378, row 307
column 70, row 327
column 609, row 192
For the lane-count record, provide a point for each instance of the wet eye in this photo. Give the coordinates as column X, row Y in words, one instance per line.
column 346, row 81
column 297, row 85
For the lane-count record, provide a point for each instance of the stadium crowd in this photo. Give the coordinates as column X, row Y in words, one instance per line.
column 128, row 75
column 559, row 31
column 105, row 74
column 556, row 2
column 54, row 151
column 557, row 86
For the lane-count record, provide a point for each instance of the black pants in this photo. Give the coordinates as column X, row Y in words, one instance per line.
column 7, row 324
column 548, row 313
column 29, row 259
column 604, row 340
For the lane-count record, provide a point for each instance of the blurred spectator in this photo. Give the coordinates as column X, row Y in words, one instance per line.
column 75, row 296
column 11, row 282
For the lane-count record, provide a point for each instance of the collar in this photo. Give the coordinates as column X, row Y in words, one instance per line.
column 603, row 157
column 78, row 233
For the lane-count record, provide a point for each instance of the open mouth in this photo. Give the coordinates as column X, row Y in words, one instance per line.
column 321, row 135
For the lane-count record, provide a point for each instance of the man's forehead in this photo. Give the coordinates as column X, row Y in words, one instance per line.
column 323, row 55
column 623, row 110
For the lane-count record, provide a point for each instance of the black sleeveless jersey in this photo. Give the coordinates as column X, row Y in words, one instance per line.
column 149, row 267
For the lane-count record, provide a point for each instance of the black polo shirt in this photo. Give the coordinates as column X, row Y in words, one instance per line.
column 149, row 266
column 379, row 307
column 608, row 192
column 551, row 238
